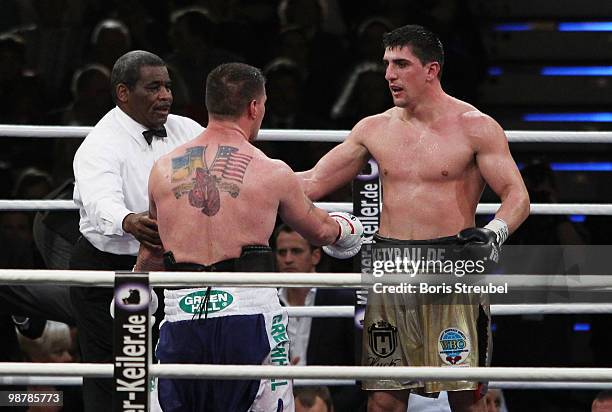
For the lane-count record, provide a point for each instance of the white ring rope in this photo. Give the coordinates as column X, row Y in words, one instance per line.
column 34, row 205
column 297, row 135
column 321, row 311
column 275, row 279
column 483, row 208
column 425, row 373
column 496, row 310
column 78, row 381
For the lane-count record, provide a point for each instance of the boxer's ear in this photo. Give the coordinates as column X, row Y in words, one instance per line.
column 253, row 109
column 433, row 69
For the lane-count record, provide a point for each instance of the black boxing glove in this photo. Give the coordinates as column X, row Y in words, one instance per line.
column 485, row 242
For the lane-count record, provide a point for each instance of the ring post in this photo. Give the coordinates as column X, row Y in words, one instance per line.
column 132, row 342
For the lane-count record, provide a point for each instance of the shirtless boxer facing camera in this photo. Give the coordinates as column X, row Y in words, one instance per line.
column 435, row 154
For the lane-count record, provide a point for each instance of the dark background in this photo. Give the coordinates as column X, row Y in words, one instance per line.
column 323, row 64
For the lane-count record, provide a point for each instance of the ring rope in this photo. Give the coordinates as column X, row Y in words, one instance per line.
column 78, row 381
column 275, row 279
column 425, row 373
column 35, row 205
column 496, row 310
column 300, row 135
column 483, row 208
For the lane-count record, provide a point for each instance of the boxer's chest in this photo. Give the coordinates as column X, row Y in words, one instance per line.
column 427, row 154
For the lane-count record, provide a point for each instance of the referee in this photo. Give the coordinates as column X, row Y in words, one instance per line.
column 111, row 170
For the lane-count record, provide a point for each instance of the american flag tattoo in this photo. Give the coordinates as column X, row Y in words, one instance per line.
column 230, row 163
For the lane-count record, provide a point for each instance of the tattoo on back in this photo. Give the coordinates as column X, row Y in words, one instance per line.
column 225, row 174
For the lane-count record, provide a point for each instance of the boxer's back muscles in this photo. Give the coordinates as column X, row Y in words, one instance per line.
column 215, row 195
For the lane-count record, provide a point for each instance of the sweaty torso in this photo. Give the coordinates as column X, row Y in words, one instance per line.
column 213, row 196
column 431, row 183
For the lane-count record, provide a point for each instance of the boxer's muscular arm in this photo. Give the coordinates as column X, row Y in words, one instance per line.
column 499, row 170
column 337, row 167
column 299, row 212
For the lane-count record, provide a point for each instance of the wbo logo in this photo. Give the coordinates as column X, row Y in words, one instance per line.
column 218, row 300
column 453, row 346
column 382, row 338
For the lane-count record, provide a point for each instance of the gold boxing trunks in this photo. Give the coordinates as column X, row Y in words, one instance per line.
column 406, row 329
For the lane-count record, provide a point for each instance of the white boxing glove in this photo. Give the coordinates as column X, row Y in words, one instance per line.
column 350, row 238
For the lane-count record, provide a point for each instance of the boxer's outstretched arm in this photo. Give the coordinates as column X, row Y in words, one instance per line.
column 296, row 210
column 499, row 170
column 338, row 167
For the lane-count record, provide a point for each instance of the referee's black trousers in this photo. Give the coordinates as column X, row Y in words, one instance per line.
column 94, row 323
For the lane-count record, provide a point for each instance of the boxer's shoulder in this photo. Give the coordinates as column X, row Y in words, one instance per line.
column 371, row 128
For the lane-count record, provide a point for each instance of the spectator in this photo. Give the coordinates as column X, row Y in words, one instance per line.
column 313, row 399
column 17, row 226
column 20, row 87
column 32, row 183
column 240, row 21
column 55, row 345
column 12, row 71
column 308, row 17
column 495, row 401
column 146, row 21
column 56, row 232
column 285, row 110
column 110, row 40
column 195, row 53
column 364, row 94
column 366, row 43
column 316, row 341
column 551, row 229
column 285, row 85
column 91, row 100
column 54, row 44
column 15, row 13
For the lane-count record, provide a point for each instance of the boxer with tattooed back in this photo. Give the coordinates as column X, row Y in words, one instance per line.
column 215, row 200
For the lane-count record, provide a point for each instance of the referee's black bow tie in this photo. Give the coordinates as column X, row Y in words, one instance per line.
column 148, row 134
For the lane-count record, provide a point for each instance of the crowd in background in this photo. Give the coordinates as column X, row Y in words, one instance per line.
column 322, row 59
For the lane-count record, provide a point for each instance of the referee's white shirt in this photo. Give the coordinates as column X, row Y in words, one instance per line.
column 111, row 170
column 298, row 328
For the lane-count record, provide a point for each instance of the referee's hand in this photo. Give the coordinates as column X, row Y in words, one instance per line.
column 143, row 228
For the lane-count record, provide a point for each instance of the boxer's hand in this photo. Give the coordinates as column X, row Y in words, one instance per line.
column 481, row 242
column 349, row 239
column 143, row 228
